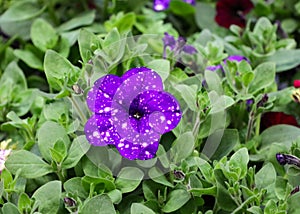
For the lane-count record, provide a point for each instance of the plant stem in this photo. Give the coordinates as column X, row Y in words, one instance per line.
column 257, row 125
column 78, row 109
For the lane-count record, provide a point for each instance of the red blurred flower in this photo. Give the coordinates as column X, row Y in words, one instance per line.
column 297, row 83
column 232, row 12
column 275, row 118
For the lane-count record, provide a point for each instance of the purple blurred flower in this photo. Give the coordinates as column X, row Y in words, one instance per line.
column 236, row 58
column 131, row 112
column 287, row 159
column 160, row 5
column 177, row 45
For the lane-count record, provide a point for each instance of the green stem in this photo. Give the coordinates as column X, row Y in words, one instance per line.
column 79, row 111
column 52, row 13
column 241, row 207
column 205, row 191
column 250, row 126
column 257, row 125
column 60, row 173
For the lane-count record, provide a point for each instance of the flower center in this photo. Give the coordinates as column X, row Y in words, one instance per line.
column 137, row 115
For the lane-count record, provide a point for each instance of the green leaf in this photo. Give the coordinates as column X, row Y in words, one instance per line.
column 229, row 139
column 124, row 23
column 156, row 175
column 239, row 160
column 77, row 150
column 283, row 134
column 74, row 187
column 219, row 103
column 138, row 208
column 86, row 18
column 265, row 176
column 20, row 11
column 43, row 35
column 48, row 197
column 10, row 208
column 264, row 76
column 223, row 197
column 115, row 196
column 285, row 59
column 188, row 93
column 181, row 8
column 15, row 74
column 24, row 202
column 176, row 199
column 182, row 147
column 293, row 203
column 213, row 81
column 48, row 134
column 85, row 41
column 29, row 58
column 161, row 66
column 58, row 70
column 30, row 164
column 98, row 204
column 128, row 179
column 205, row 16
column 58, row 152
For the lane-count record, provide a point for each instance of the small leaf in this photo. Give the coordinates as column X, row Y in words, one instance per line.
column 48, row 197
column 58, row 70
column 86, row 18
column 156, row 175
column 188, row 93
column 283, row 134
column 10, row 208
column 264, row 76
column 98, row 204
column 128, row 179
column 283, row 62
column 29, row 58
column 265, row 176
column 43, row 35
column 176, row 199
column 24, row 202
column 240, row 161
column 85, row 41
column 137, row 208
column 161, row 66
column 30, row 164
column 182, row 147
column 229, row 139
column 48, row 134
column 74, row 186
column 77, row 150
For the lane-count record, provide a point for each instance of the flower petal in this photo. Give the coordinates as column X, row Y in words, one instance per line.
column 141, row 150
column 100, row 132
column 100, row 96
column 161, row 111
column 159, row 5
column 136, row 81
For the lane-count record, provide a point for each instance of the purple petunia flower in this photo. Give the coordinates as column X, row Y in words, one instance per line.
column 160, row 5
column 131, row 112
column 236, row 58
column 177, row 45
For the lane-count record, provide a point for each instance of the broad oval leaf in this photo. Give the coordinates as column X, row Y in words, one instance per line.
column 31, row 165
column 128, row 179
column 98, row 204
column 176, row 199
column 48, row 197
column 138, row 208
